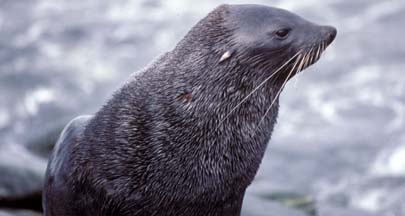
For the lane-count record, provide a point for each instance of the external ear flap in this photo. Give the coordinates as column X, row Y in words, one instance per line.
column 226, row 55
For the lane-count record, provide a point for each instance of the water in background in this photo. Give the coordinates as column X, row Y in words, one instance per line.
column 340, row 140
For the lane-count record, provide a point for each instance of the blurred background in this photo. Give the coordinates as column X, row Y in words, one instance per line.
column 338, row 148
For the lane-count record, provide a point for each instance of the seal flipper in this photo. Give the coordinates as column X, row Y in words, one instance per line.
column 58, row 169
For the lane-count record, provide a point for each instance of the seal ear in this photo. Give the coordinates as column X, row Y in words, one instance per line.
column 226, row 55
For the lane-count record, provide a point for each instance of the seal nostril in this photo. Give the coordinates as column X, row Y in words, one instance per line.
column 331, row 34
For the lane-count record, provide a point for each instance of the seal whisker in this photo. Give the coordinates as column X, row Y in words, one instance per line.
column 279, row 74
column 260, row 85
column 296, row 79
column 261, row 57
column 318, row 52
column 304, row 61
column 308, row 59
column 256, row 58
column 312, row 56
column 323, row 46
column 262, row 63
column 321, row 49
column 300, row 60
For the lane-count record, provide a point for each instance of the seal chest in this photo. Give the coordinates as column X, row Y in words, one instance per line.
column 187, row 134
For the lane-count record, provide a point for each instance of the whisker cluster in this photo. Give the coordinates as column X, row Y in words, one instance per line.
column 303, row 59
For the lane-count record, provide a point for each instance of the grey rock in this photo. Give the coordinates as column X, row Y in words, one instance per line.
column 256, row 206
column 329, row 210
column 20, row 172
column 18, row 213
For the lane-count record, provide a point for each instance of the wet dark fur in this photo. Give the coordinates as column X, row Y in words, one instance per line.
column 164, row 145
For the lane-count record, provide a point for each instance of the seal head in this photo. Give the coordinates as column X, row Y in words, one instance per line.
column 267, row 37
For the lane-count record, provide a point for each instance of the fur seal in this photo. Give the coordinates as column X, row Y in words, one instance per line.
column 187, row 134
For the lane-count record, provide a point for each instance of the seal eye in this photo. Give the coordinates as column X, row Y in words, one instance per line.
column 282, row 33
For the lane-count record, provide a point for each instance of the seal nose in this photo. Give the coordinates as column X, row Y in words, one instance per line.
column 330, row 33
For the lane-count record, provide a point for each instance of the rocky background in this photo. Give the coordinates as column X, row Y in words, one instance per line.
column 339, row 146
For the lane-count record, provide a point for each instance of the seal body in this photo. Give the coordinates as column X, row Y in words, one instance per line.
column 186, row 135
